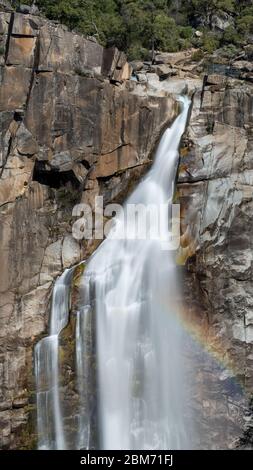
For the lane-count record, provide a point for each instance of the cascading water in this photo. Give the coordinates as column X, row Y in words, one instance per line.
column 130, row 287
column 49, row 416
column 140, row 374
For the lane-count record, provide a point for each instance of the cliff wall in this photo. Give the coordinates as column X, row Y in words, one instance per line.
column 71, row 127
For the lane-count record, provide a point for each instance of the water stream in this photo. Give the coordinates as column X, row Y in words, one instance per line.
column 49, row 415
column 131, row 286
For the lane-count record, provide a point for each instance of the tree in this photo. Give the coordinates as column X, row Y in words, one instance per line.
column 141, row 26
column 245, row 25
column 166, row 33
column 206, row 9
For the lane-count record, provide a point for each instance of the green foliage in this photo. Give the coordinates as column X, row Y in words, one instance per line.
column 83, row 72
column 166, row 33
column 229, row 51
column 210, row 43
column 198, row 55
column 245, row 25
column 231, row 36
column 140, row 26
column 209, row 6
column 186, row 32
column 137, row 52
column 67, row 196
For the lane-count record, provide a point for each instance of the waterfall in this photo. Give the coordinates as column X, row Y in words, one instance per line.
column 133, row 286
column 49, row 415
column 130, row 290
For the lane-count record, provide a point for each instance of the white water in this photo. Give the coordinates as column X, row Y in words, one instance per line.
column 131, row 287
column 49, row 415
column 139, row 340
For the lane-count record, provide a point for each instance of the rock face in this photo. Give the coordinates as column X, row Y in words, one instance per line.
column 215, row 191
column 72, row 127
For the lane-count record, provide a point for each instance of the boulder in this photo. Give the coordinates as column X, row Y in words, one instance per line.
column 52, row 262
column 243, row 65
column 174, row 58
column 70, row 252
column 61, row 161
column 142, row 77
column 26, row 144
column 164, row 71
column 115, row 65
column 137, row 65
column 24, row 9
column 222, row 21
column 215, row 79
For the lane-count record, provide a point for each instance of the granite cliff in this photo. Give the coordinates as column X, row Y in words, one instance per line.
column 73, row 125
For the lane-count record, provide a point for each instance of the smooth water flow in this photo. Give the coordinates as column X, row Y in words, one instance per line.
column 129, row 290
column 133, row 285
column 49, row 415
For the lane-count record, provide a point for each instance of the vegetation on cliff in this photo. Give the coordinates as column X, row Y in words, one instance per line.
column 137, row 26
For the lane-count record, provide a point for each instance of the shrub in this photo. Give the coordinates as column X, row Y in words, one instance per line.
column 83, row 72
column 137, row 52
column 245, row 25
column 185, row 32
column 210, row 43
column 197, row 56
column 229, row 51
column 166, row 33
column 231, row 36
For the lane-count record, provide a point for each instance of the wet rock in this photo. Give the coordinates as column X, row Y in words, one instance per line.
column 70, row 252
column 52, row 262
column 37, row 299
column 142, row 77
